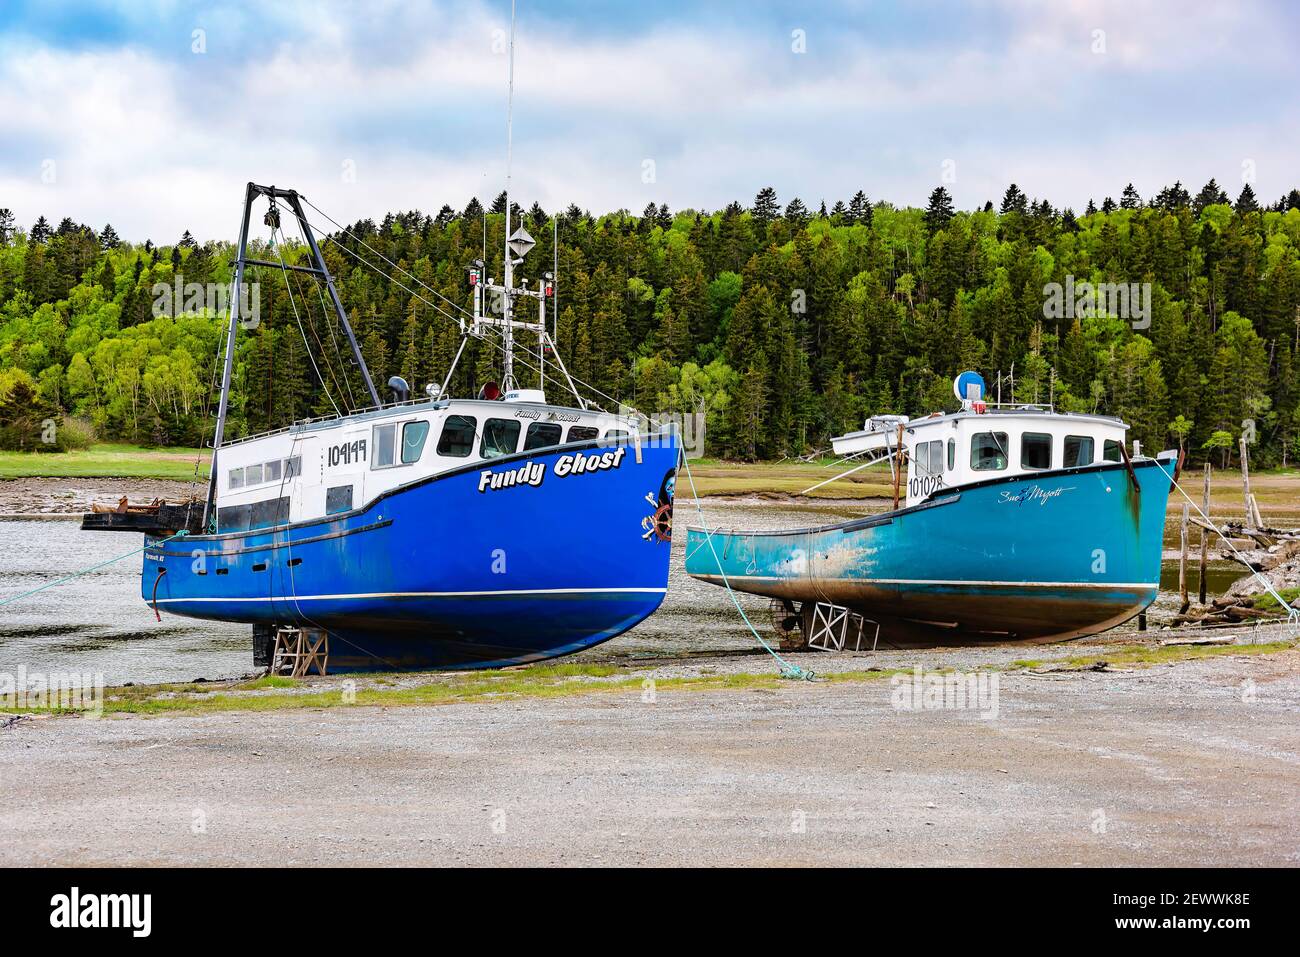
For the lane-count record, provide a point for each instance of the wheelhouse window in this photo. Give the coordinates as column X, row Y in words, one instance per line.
column 1110, row 451
column 988, row 451
column 1078, row 450
column 541, row 435
column 383, row 444
column 338, row 499
column 582, row 433
column 929, row 457
column 233, row 518
column 1035, row 450
column 500, row 437
column 413, row 438
column 952, row 454
column 615, row 435
column 273, row 511
column 277, row 470
column 457, row 439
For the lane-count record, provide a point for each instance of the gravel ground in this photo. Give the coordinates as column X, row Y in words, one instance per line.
column 1195, row 763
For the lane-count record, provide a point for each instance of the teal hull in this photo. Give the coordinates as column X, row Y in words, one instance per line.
column 1046, row 557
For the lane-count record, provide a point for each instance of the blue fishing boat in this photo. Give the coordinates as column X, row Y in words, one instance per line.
column 1008, row 523
column 431, row 532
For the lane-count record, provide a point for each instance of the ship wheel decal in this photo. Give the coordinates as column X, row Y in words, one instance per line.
column 659, row 524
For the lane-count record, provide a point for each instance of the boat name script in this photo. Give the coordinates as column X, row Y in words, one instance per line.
column 534, row 473
column 1035, row 493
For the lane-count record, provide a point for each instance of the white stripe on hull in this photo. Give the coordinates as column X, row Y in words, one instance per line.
column 432, row 594
column 923, row 581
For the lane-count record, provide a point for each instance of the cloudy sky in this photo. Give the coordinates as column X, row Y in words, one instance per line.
column 151, row 114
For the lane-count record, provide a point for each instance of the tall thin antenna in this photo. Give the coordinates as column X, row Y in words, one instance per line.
column 508, row 379
column 555, row 278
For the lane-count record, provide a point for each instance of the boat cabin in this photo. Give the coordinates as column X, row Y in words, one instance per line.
column 320, row 468
column 948, row 450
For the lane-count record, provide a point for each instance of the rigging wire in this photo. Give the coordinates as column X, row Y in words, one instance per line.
column 326, row 313
column 438, row 309
column 315, row 335
column 298, row 320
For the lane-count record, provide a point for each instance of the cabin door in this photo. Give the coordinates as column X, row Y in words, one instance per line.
column 305, row 502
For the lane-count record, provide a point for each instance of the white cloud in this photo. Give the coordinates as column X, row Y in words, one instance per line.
column 157, row 140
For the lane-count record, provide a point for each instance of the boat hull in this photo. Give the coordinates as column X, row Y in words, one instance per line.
column 1047, row 557
column 450, row 572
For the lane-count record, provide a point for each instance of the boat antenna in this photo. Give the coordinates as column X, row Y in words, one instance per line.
column 508, row 378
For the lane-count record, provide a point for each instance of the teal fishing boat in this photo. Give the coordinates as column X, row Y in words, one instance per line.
column 1009, row 524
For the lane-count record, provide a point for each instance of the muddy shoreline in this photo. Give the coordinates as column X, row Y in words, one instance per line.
column 1192, row 763
column 72, row 496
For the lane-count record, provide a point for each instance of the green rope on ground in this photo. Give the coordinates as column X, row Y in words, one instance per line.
column 788, row 669
column 86, row 571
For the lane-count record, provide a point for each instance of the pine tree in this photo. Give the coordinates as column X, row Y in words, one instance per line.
column 796, row 213
column 1246, row 202
column 41, row 232
column 1014, row 201
column 499, row 204
column 6, row 226
column 859, row 209
column 1108, row 205
column 187, row 241
column 766, row 209
column 939, row 211
column 473, row 210
column 108, row 238
column 1129, row 199
column 1209, row 195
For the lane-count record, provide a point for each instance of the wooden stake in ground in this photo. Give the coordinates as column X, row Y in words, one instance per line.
column 898, row 465
column 1182, row 560
column 1245, row 484
column 1205, row 532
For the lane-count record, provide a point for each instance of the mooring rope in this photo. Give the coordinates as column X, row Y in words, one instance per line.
column 87, row 571
column 788, row 669
column 1293, row 614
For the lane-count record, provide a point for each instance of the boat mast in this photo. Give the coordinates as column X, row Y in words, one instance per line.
column 229, row 366
column 507, row 303
column 317, row 269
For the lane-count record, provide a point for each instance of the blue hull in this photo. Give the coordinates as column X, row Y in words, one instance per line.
column 1051, row 556
column 440, row 574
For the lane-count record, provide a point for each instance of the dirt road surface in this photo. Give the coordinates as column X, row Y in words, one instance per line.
column 1194, row 763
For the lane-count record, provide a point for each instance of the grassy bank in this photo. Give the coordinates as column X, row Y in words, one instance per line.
column 1277, row 491
column 564, row 680
column 106, row 460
